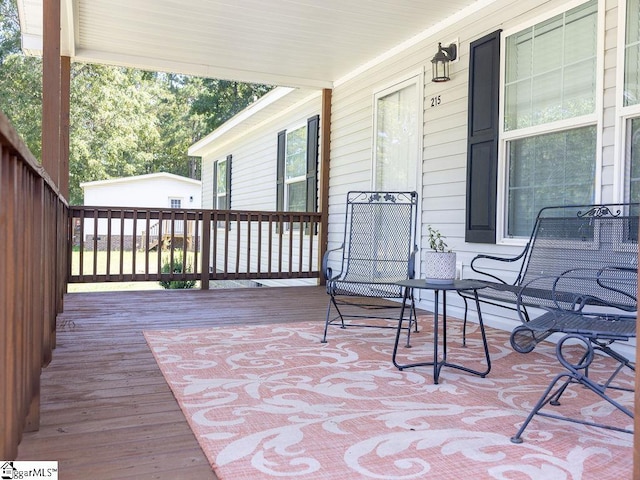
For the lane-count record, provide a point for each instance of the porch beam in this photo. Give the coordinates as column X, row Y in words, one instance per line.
column 325, row 155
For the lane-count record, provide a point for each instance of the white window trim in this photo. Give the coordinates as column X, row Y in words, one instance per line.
column 177, row 199
column 417, row 79
column 595, row 118
column 623, row 114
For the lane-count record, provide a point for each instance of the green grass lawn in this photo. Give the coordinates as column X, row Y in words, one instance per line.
column 128, row 267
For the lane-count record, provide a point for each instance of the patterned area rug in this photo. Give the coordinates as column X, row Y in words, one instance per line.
column 271, row 401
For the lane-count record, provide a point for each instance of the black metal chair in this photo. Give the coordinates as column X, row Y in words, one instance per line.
column 378, row 250
column 592, row 306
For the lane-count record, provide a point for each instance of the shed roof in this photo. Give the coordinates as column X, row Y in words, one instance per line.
column 137, row 178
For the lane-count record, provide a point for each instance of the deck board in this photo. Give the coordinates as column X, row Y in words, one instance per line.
column 106, row 411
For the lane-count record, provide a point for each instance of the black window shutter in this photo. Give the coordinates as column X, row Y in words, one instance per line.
column 282, row 142
column 312, row 163
column 228, row 182
column 482, row 141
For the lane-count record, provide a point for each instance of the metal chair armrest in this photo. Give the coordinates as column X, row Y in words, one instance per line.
column 411, row 268
column 328, row 271
column 480, row 257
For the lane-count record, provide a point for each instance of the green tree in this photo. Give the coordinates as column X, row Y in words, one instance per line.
column 219, row 100
column 20, row 81
column 123, row 121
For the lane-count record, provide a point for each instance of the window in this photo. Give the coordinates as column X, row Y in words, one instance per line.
column 632, row 54
column 549, row 129
column 397, row 137
column 631, row 99
column 175, row 202
column 297, row 165
column 222, row 184
column 295, row 170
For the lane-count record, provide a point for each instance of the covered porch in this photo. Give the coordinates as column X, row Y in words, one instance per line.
column 50, row 336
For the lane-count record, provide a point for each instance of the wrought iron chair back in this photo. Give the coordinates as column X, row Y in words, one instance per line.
column 583, row 271
column 378, row 250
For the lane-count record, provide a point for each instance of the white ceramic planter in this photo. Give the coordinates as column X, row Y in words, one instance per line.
column 440, row 267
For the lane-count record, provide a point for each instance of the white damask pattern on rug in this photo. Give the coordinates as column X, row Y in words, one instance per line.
column 271, row 401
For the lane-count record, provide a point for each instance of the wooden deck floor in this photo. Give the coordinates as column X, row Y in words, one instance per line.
column 106, row 411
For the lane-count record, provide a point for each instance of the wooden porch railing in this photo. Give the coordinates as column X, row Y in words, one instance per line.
column 33, row 232
column 115, row 244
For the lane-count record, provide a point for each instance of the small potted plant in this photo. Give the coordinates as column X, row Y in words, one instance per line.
column 440, row 261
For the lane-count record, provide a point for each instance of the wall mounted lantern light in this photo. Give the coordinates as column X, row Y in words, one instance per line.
column 440, row 61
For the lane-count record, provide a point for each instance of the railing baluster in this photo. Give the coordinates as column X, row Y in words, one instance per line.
column 81, row 244
column 205, row 245
column 195, row 243
column 109, row 235
column 227, row 228
column 248, row 242
column 95, row 245
column 121, row 270
column 270, row 257
column 280, row 246
column 259, row 261
column 238, row 244
column 147, row 248
column 172, row 243
column 312, row 234
column 214, row 227
column 134, row 242
column 300, row 243
column 159, row 247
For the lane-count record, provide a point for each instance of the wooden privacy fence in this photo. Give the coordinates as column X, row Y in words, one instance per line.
column 33, row 226
column 117, row 244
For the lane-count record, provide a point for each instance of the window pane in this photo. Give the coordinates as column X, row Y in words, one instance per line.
column 632, row 54
column 296, row 157
column 578, row 83
column 547, row 38
column 296, row 197
column 545, row 97
column 519, row 48
column 634, row 159
column 552, row 169
column 221, row 202
column 518, row 104
column 221, row 186
column 550, row 69
column 396, row 139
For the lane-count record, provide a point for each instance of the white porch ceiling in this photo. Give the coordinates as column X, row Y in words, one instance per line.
column 299, row 43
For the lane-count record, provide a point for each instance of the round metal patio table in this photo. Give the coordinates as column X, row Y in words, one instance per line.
column 438, row 363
